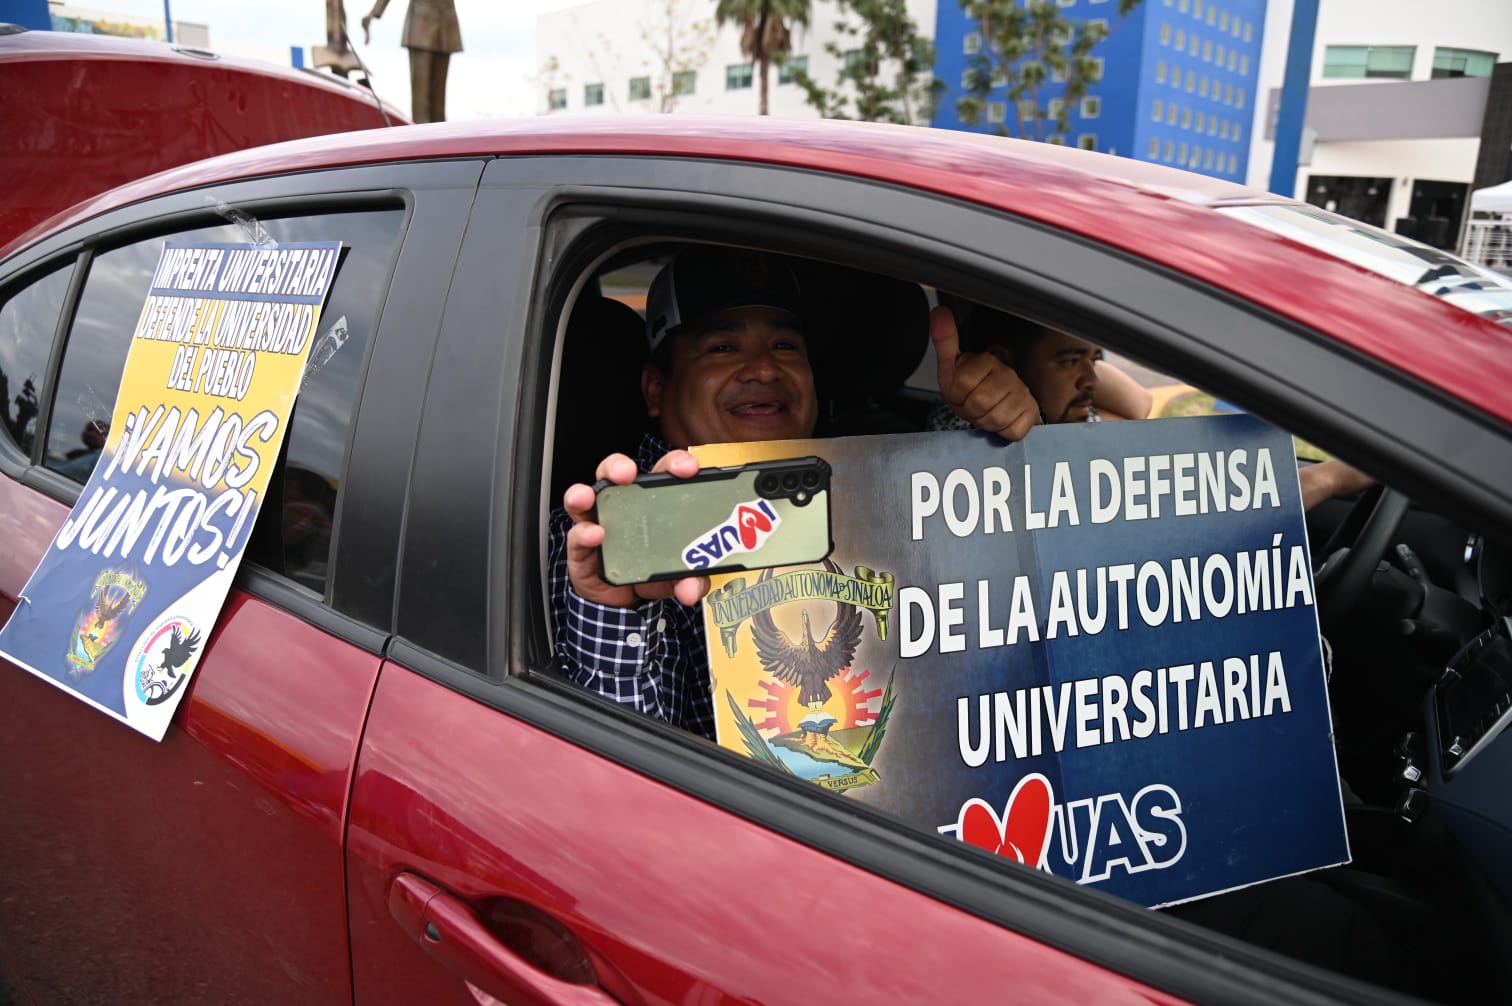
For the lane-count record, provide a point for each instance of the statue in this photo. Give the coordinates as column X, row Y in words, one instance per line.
column 336, row 53
column 431, row 35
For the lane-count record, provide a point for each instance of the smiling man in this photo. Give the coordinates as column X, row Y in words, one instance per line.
column 729, row 363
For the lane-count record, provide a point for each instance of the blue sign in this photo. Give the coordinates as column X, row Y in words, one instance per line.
column 1095, row 652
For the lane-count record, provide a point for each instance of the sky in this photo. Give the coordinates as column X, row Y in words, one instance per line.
column 492, row 76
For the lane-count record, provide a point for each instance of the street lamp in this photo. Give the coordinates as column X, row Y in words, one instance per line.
column 168, row 18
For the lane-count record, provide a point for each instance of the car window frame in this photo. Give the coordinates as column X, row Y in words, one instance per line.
column 1134, row 304
column 435, row 198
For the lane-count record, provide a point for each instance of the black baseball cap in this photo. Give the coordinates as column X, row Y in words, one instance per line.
column 704, row 279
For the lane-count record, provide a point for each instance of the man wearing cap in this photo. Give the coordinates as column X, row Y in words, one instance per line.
column 729, row 363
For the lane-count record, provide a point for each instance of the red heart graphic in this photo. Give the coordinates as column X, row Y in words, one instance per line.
column 752, row 522
column 1023, row 832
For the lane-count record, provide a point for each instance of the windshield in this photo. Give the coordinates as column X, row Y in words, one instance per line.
column 1477, row 290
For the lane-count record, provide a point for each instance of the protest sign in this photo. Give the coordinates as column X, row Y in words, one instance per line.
column 120, row 608
column 1095, row 652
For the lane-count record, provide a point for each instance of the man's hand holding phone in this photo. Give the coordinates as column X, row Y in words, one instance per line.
column 583, row 541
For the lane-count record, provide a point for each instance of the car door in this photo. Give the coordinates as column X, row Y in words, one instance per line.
column 210, row 865
column 514, row 839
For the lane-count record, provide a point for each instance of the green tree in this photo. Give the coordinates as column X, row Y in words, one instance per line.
column 886, row 67
column 765, row 32
column 1031, row 54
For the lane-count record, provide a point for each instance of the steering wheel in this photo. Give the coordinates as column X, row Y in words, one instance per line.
column 1368, row 528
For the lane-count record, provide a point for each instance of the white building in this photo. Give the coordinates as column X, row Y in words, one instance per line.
column 610, row 57
column 1395, row 110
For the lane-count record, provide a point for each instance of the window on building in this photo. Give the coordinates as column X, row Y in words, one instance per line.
column 1232, row 60
column 1236, row 29
column 1091, row 107
column 640, row 88
column 593, row 94
column 1191, row 81
column 1165, row 33
column 1058, row 75
column 685, row 82
column 1462, row 63
column 1000, row 77
column 1207, row 159
column 1055, row 108
column 1223, row 21
column 1160, row 72
column 1224, row 129
column 791, row 67
column 1221, row 53
column 1196, row 8
column 1186, row 118
column 1212, row 126
column 1171, row 114
column 1181, row 154
column 1057, row 139
column 556, row 98
column 1207, row 51
column 1095, row 71
column 997, row 112
column 1228, row 94
column 1157, row 110
column 1181, row 38
column 1239, row 98
column 1201, row 121
column 1028, row 110
column 1154, row 149
column 971, row 43
column 1244, row 65
column 1212, row 15
column 1087, row 141
column 854, row 58
column 1248, row 31
column 738, row 76
column 1238, row 131
column 1184, row 5
column 1202, row 86
column 1170, row 151
column 1066, row 3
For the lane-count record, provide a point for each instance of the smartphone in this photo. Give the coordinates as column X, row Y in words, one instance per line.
column 767, row 513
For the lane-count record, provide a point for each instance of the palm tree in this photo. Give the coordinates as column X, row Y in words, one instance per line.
column 764, row 31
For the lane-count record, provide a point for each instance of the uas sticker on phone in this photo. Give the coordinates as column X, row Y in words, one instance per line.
column 769, row 514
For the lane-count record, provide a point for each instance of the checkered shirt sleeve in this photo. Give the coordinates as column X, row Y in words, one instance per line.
column 651, row 657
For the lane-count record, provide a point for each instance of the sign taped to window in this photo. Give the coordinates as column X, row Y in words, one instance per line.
column 121, row 607
column 1094, row 652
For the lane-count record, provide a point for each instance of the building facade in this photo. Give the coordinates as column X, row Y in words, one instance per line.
column 1177, row 84
column 616, row 57
column 1400, row 96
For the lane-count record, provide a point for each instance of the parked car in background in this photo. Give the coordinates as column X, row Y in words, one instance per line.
column 85, row 113
column 379, row 790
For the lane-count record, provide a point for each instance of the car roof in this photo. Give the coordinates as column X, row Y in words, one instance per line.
column 1167, row 216
column 90, row 112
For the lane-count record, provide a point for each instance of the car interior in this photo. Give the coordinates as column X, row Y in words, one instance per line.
column 1404, row 593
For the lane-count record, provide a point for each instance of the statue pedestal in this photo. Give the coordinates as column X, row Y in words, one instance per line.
column 341, row 61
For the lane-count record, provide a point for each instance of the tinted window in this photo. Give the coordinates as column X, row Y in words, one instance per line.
column 27, row 323
column 113, row 295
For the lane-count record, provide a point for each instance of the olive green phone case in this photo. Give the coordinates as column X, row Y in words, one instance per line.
column 768, row 513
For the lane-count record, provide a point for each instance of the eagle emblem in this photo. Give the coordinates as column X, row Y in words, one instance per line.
column 809, row 663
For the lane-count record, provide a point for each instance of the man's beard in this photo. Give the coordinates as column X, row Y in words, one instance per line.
column 1085, row 398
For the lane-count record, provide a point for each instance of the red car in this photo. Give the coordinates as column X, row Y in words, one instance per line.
column 85, row 113
column 378, row 789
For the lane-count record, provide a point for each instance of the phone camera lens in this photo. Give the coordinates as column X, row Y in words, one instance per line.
column 766, row 485
column 811, row 480
column 790, row 482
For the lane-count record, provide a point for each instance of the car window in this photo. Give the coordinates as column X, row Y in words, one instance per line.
column 112, row 298
column 27, row 323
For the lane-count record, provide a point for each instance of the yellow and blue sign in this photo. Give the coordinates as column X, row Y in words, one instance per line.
column 1094, row 652
column 121, row 607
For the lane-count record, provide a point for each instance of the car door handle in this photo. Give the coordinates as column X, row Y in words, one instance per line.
column 446, row 927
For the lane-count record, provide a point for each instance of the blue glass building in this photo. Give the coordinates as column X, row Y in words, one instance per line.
column 1177, row 85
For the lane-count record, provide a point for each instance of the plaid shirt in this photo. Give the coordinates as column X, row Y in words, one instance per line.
column 651, row 657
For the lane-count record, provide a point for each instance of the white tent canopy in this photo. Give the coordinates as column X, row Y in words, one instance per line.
column 1496, row 199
